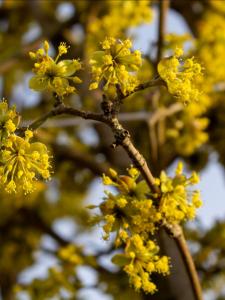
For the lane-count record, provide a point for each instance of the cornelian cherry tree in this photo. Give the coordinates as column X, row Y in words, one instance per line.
column 144, row 111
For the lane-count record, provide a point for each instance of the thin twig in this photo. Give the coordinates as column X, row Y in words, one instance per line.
column 123, row 117
column 178, row 235
column 164, row 112
column 66, row 110
column 140, row 163
column 142, row 86
column 163, row 9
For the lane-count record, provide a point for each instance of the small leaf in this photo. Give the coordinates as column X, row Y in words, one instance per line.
column 68, row 67
column 38, row 83
column 121, row 260
column 91, row 206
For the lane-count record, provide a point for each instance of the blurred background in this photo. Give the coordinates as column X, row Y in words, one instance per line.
column 33, row 228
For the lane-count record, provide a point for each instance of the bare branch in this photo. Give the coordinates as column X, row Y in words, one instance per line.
column 142, row 86
column 178, row 235
column 163, row 9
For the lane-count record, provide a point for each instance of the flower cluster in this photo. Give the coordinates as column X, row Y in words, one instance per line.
column 135, row 213
column 131, row 210
column 181, row 77
column 9, row 121
column 20, row 161
column 118, row 18
column 140, row 260
column 177, row 203
column 189, row 132
column 70, row 254
column 61, row 277
column 57, row 77
column 115, row 65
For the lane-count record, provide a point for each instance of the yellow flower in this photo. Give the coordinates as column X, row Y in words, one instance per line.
column 177, row 203
column 116, row 19
column 114, row 65
column 140, row 260
column 21, row 162
column 135, row 213
column 9, row 121
column 52, row 75
column 130, row 209
column 181, row 77
column 70, row 254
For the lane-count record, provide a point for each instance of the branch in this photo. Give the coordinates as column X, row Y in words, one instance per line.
column 178, row 235
column 61, row 110
column 140, row 163
column 142, row 86
column 163, row 9
column 81, row 158
column 163, row 112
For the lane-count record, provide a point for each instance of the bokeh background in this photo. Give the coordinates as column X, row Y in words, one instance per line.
column 34, row 227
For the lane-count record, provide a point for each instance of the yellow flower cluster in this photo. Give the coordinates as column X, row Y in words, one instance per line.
column 114, row 65
column 9, row 121
column 58, row 279
column 118, row 17
column 135, row 213
column 181, row 77
column 173, row 40
column 140, row 260
column 186, row 130
column 61, row 277
column 177, row 203
column 69, row 254
column 20, row 161
column 54, row 76
column 188, row 133
column 211, row 44
column 130, row 210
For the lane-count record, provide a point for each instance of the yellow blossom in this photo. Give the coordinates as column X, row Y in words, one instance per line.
column 114, row 65
column 70, row 254
column 9, row 121
column 140, row 260
column 177, row 203
column 181, row 77
column 21, row 162
column 52, row 75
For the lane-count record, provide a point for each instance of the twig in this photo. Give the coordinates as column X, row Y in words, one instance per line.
column 163, row 8
column 142, row 86
column 140, row 163
column 163, row 112
column 81, row 159
column 67, row 110
column 178, row 235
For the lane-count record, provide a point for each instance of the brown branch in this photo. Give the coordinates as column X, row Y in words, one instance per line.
column 66, row 110
column 163, row 112
column 178, row 235
column 82, row 159
column 163, row 9
column 142, row 86
column 140, row 163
